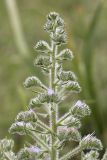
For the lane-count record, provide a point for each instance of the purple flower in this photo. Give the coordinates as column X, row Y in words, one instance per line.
column 34, row 149
column 79, row 103
column 50, row 91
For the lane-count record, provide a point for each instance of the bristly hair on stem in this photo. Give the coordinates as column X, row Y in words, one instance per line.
column 50, row 139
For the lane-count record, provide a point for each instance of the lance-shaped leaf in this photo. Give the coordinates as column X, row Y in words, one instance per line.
column 34, row 82
column 80, row 109
column 92, row 155
column 91, row 142
column 71, row 86
column 59, row 36
column 27, row 116
column 65, row 54
column 53, row 21
column 42, row 47
column 68, row 134
column 66, row 76
column 20, row 128
column 44, row 98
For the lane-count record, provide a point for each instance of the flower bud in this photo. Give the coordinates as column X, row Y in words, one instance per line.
column 66, row 76
column 80, row 109
column 33, row 82
column 27, row 116
column 68, row 134
column 72, row 122
column 59, row 37
column 90, row 142
column 65, row 54
column 43, row 62
column 53, row 21
column 72, row 86
column 52, row 16
column 42, row 47
column 44, row 98
column 20, row 128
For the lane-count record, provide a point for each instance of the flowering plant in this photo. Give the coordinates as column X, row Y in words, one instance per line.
column 50, row 140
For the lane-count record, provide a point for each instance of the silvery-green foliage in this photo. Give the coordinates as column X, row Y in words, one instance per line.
column 45, row 97
column 80, row 109
column 65, row 54
column 33, row 82
column 43, row 62
column 42, row 47
column 50, row 139
column 27, row 116
column 30, row 153
column 21, row 128
column 68, row 134
column 91, row 142
column 6, row 150
column 72, row 121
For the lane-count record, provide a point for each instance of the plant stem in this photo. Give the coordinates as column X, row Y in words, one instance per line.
column 44, row 126
column 53, row 110
column 7, row 156
column 38, row 139
column 63, row 118
column 72, row 153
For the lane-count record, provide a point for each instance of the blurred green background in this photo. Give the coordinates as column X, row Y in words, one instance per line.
column 21, row 26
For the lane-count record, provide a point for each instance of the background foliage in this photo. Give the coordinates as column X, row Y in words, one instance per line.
column 86, row 25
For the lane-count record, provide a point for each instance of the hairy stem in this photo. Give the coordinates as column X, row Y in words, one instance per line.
column 72, row 153
column 38, row 139
column 53, row 110
column 63, row 118
column 44, row 126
